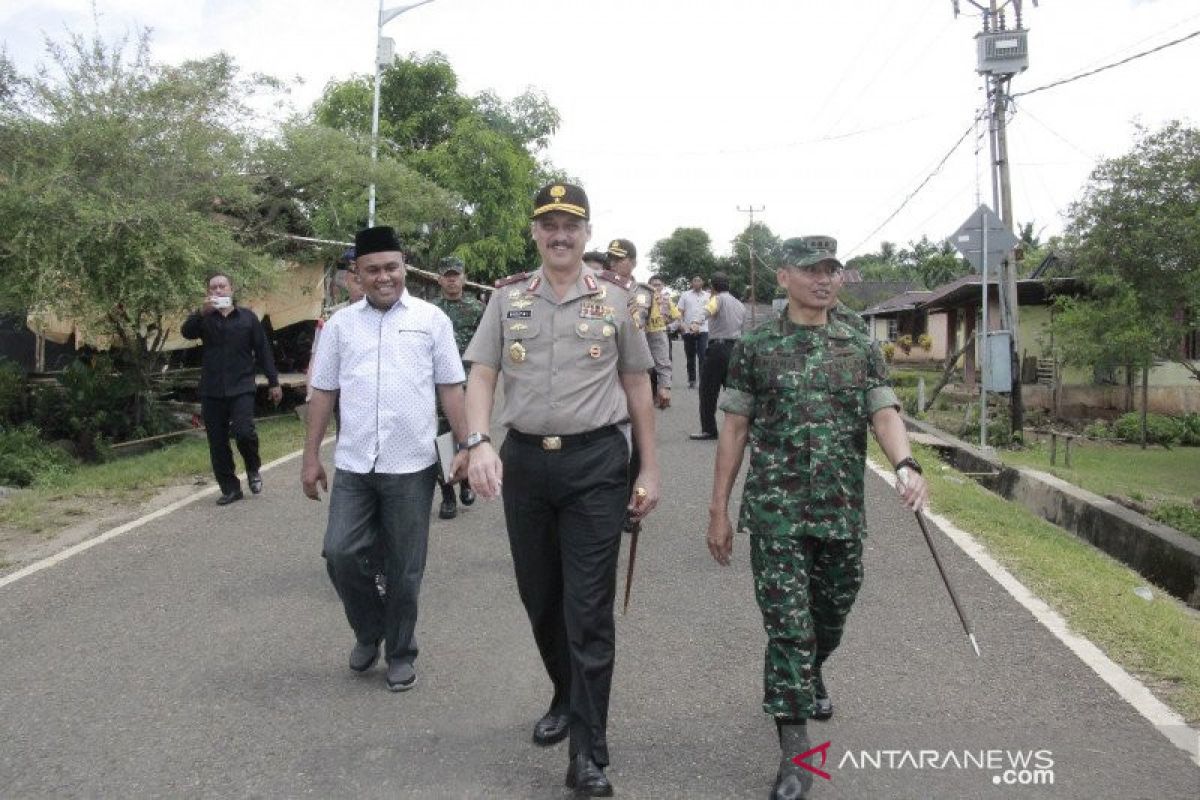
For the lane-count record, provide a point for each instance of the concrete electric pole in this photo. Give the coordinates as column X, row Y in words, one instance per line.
column 751, row 210
column 1003, row 52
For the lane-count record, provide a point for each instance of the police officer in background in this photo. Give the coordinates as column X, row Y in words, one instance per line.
column 801, row 391
column 575, row 370
column 726, row 318
column 464, row 312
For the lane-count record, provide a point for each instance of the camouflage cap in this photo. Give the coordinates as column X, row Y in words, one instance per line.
column 799, row 252
column 451, row 264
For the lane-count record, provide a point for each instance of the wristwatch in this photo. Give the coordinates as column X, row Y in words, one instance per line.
column 909, row 462
column 474, row 440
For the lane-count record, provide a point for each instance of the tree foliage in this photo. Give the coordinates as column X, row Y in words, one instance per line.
column 1135, row 237
column 685, row 253
column 480, row 149
column 122, row 183
column 757, row 244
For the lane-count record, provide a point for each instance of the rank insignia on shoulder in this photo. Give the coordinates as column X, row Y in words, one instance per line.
column 502, row 282
column 534, row 284
column 590, row 283
column 615, row 278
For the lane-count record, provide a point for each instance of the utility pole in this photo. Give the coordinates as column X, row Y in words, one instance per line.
column 1002, row 53
column 751, row 210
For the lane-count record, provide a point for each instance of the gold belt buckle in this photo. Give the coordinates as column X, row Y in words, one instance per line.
column 552, row 443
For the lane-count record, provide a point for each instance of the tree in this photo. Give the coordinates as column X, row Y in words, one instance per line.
column 685, row 253
column 122, row 184
column 314, row 179
column 757, row 239
column 931, row 264
column 480, row 149
column 1135, row 237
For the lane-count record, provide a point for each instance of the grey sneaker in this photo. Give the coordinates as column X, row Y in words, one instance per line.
column 364, row 656
column 401, row 676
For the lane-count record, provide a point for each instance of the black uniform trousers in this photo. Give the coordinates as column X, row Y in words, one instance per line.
column 712, row 378
column 695, row 349
column 223, row 416
column 564, row 509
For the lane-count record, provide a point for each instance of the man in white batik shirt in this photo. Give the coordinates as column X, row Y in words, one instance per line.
column 383, row 357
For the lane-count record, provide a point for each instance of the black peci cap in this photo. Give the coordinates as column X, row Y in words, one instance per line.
column 380, row 239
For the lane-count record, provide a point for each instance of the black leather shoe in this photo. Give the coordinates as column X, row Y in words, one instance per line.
column 232, row 497
column 449, row 509
column 466, row 495
column 255, row 481
column 702, row 436
column 587, row 778
column 551, row 729
column 364, row 656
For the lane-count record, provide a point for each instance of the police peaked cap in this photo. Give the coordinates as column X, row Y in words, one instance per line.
column 565, row 197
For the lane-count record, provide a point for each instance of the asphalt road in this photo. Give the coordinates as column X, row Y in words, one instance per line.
column 203, row 655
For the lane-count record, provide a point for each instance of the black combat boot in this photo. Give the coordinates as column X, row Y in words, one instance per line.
column 792, row 782
column 823, row 706
column 449, row 509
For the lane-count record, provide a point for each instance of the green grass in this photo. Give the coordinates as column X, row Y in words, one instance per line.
column 51, row 505
column 1157, row 640
column 1164, row 480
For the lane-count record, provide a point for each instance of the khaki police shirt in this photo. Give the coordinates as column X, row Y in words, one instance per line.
column 560, row 359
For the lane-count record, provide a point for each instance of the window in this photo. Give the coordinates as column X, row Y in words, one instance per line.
column 893, row 329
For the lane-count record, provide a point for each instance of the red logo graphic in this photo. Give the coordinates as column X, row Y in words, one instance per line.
column 823, row 749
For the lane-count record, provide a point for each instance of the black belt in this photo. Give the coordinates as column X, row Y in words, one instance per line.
column 563, row 442
column 711, row 342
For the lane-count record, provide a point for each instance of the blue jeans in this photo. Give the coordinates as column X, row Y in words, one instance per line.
column 366, row 509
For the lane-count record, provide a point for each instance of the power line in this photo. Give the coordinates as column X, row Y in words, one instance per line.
column 920, row 186
column 1089, row 73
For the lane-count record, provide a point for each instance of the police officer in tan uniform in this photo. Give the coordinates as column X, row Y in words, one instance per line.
column 575, row 371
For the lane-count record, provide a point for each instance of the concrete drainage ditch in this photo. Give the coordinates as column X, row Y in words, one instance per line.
column 1158, row 552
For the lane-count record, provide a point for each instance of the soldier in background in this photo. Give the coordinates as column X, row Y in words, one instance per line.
column 802, row 390
column 464, row 312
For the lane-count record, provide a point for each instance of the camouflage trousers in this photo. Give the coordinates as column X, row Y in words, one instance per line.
column 805, row 588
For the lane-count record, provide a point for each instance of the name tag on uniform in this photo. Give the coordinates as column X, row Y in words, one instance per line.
column 519, row 313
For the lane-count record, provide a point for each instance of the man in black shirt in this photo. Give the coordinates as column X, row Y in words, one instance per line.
column 234, row 340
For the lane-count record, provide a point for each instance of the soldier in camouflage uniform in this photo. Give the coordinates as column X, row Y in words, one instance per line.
column 464, row 312
column 801, row 390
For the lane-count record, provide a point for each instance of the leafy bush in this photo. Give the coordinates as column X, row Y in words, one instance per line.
column 889, row 351
column 1098, row 430
column 1160, row 429
column 905, row 343
column 925, row 342
column 95, row 404
column 24, row 457
column 1180, row 517
column 1191, row 430
column 908, row 399
column 999, row 430
column 12, row 392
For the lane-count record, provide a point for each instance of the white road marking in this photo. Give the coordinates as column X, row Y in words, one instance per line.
column 1167, row 722
column 75, row 550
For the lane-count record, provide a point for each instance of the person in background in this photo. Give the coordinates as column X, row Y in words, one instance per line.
column 726, row 317
column 694, row 328
column 464, row 312
column 234, row 344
